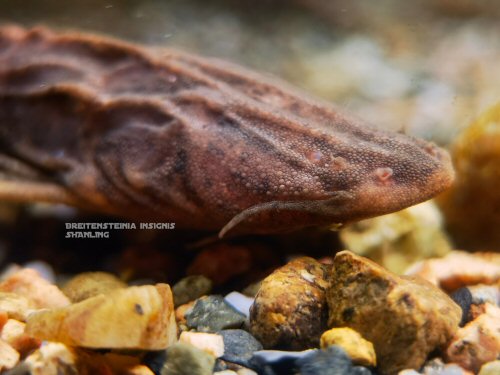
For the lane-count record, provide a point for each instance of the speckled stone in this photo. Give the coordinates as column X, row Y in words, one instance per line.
column 183, row 359
column 405, row 318
column 190, row 288
column 239, row 346
column 290, row 310
column 212, row 314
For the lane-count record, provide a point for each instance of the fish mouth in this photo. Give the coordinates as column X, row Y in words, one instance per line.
column 386, row 191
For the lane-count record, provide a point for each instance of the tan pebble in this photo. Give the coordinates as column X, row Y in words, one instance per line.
column 357, row 348
column 405, row 318
column 490, row 368
column 290, row 310
column 210, row 343
column 137, row 370
column 13, row 332
column 56, row 358
column 459, row 269
column 90, row 284
column 478, row 342
column 131, row 318
column 28, row 283
column 9, row 357
column 16, row 306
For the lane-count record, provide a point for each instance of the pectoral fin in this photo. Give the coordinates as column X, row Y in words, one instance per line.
column 286, row 216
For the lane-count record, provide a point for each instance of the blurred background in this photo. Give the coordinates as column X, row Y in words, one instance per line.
column 427, row 67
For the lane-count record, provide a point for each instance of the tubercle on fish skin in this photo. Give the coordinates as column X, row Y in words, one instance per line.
column 140, row 133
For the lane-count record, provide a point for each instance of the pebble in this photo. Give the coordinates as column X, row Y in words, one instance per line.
column 290, row 310
column 44, row 269
column 386, row 308
column 181, row 311
column 212, row 314
column 240, row 302
column 29, row 284
column 15, row 305
column 50, row 358
column 463, row 298
column 239, row 346
column 210, row 343
column 190, row 288
column 13, row 333
column 459, row 269
column 478, row 342
column 490, row 368
column 131, row 318
column 274, row 362
column 9, row 357
column 359, row 350
column 184, row 359
column 330, row 361
column 436, row 366
column 90, row 284
column 485, row 293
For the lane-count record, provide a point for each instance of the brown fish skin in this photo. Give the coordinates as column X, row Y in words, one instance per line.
column 164, row 135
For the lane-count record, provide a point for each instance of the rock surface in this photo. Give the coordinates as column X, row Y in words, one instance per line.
column 478, row 342
column 212, row 314
column 190, row 288
column 359, row 350
column 411, row 314
column 290, row 310
column 90, row 284
column 8, row 356
column 29, row 284
column 210, row 343
column 134, row 318
column 459, row 269
column 490, row 368
column 330, row 361
column 183, row 359
column 239, row 346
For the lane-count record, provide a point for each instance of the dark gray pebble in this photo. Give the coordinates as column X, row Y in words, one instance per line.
column 212, row 314
column 239, row 346
column 463, row 298
column 277, row 362
column 330, row 361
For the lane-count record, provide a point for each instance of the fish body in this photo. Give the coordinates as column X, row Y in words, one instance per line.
column 161, row 134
